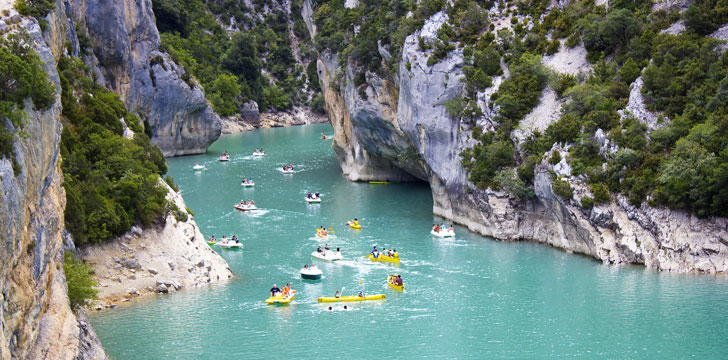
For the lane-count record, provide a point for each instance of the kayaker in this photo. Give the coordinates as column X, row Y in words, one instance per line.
column 356, row 222
column 274, row 290
column 338, row 294
column 361, row 294
column 398, row 280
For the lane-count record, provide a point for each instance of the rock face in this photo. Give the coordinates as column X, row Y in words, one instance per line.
column 406, row 115
column 125, row 51
column 250, row 119
column 165, row 258
column 37, row 321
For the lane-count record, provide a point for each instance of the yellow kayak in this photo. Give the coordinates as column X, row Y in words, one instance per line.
column 353, row 226
column 394, row 285
column 384, row 258
column 281, row 299
column 351, row 298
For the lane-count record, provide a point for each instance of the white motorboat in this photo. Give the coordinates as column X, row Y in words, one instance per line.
column 311, row 273
column 328, row 255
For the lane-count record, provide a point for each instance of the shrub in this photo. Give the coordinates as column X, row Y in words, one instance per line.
column 513, row 185
column 587, row 202
column 562, row 189
column 79, row 280
column 600, row 192
column 555, row 157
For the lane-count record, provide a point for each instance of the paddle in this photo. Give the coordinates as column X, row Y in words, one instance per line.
column 341, row 293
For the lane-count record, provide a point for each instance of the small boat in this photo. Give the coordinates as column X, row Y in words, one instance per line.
column 224, row 158
column 258, row 153
column 328, row 255
column 311, row 273
column 313, row 200
column 384, row 182
column 319, row 234
column 248, row 184
column 443, row 233
column 393, row 285
column 212, row 242
column 231, row 245
column 280, row 299
column 245, row 207
column 351, row 298
column 198, row 167
column 385, row 258
column 352, row 225
column 288, row 171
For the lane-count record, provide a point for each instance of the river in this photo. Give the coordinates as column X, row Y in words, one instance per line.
column 467, row 297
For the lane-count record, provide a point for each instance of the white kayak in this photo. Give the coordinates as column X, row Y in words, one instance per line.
column 230, row 244
column 245, row 207
column 313, row 200
column 247, row 184
column 443, row 233
column 311, row 273
column 198, row 167
column 328, row 255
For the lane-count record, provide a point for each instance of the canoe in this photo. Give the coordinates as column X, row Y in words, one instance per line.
column 328, row 255
column 351, row 298
column 384, row 258
column 311, row 273
column 313, row 200
column 353, row 226
column 245, row 207
column 231, row 245
column 445, row 233
column 281, row 299
column 393, row 285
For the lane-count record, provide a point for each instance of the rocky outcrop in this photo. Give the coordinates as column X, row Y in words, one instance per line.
column 37, row 321
column 126, row 55
column 407, row 112
column 250, row 119
column 161, row 259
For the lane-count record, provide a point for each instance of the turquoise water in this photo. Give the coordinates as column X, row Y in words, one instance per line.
column 468, row 297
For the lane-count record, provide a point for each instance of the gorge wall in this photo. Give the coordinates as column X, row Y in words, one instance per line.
column 125, row 55
column 37, row 321
column 399, row 128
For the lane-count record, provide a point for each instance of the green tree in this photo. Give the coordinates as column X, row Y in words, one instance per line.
column 79, row 280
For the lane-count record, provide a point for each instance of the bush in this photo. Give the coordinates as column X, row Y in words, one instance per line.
column 79, row 280
column 562, row 189
column 555, row 157
column 513, row 185
column 36, row 8
column 587, row 202
column 600, row 192
column 521, row 91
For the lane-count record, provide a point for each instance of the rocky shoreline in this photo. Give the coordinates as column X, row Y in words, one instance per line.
column 250, row 119
column 158, row 260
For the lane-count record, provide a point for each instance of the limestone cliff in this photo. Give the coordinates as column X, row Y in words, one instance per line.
column 398, row 128
column 126, row 56
column 37, row 321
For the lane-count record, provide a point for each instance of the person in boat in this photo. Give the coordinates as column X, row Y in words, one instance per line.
column 235, row 237
column 213, row 238
column 313, row 267
column 451, row 228
column 356, row 222
column 224, row 239
column 375, row 252
column 326, row 247
column 305, row 267
column 251, row 202
column 338, row 251
column 437, row 228
column 309, row 196
column 319, row 250
column 338, row 294
column 274, row 290
column 398, row 280
column 361, row 294
column 395, row 255
column 286, row 289
column 389, row 253
column 317, row 195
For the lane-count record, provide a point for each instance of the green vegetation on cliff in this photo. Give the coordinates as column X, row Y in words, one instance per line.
column 22, row 77
column 111, row 182
column 79, row 280
column 252, row 59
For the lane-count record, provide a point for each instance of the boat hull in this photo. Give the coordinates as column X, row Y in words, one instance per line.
column 351, row 298
column 383, row 258
column 394, row 285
